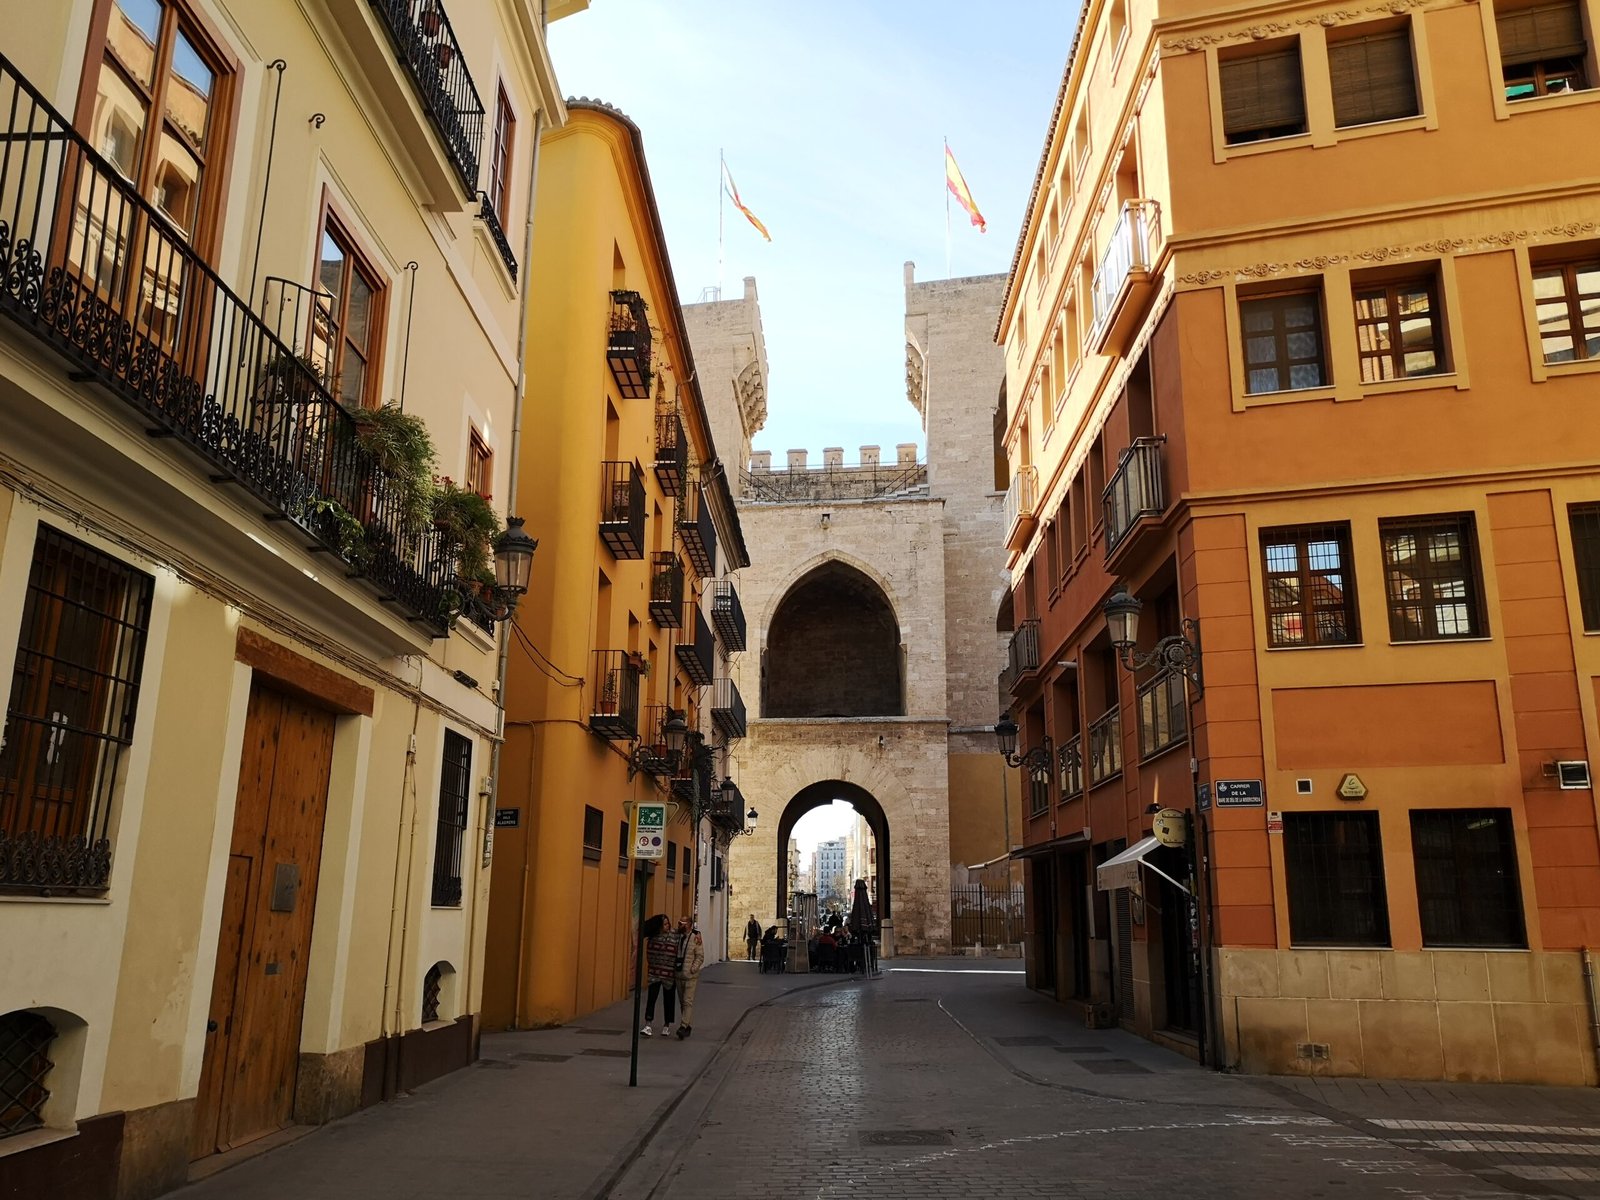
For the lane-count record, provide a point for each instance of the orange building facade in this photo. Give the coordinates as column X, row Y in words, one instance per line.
column 1303, row 344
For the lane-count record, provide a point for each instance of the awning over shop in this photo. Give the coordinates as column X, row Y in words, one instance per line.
column 1070, row 841
column 1122, row 870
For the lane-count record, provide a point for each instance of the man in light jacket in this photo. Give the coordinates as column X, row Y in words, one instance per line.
column 691, row 958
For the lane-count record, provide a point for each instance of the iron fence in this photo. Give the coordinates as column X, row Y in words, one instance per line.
column 982, row 915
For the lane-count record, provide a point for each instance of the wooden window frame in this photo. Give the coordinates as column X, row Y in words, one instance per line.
column 1577, row 327
column 1329, row 880
column 480, row 464
column 1468, row 892
column 1283, row 363
column 331, row 218
column 1542, row 67
column 1389, row 290
column 1468, row 575
column 1247, row 129
column 1307, row 576
column 455, row 804
column 501, row 155
column 1367, row 36
column 1583, row 521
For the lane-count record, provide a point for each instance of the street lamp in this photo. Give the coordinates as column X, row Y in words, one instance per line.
column 1038, row 761
column 513, row 567
column 750, row 821
column 1176, row 652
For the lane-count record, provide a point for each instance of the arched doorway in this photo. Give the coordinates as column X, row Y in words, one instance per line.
column 818, row 795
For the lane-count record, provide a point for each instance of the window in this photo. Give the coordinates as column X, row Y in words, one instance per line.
column 1282, row 342
column 1542, row 49
column 74, row 695
column 505, row 129
column 672, row 859
column 1566, row 299
column 1311, row 596
column 480, row 465
column 347, row 318
column 1467, row 893
column 1262, row 95
column 25, row 1040
column 622, row 846
column 1038, row 793
column 1163, row 714
column 1373, row 76
column 1398, row 330
column 593, row 832
column 455, row 786
column 1430, row 571
column 431, row 986
column 1052, row 555
column 1333, row 867
column 1585, row 521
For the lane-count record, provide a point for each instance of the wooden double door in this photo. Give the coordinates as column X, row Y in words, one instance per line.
column 252, row 1047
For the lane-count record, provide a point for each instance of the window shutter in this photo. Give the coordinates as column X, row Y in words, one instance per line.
column 1372, row 78
column 1262, row 92
column 1541, row 32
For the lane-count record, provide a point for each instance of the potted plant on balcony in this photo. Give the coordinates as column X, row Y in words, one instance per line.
column 639, row 663
column 402, row 450
column 606, row 705
column 431, row 20
column 289, row 378
column 468, row 522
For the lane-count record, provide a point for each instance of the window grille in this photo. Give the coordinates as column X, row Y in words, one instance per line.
column 1038, row 793
column 1398, row 330
column 1467, row 892
column 1310, row 593
column 1282, row 342
column 1431, row 576
column 74, row 696
column 431, row 983
column 1585, row 521
column 1373, row 77
column 1333, row 863
column 1566, row 300
column 1263, row 96
column 455, row 784
column 25, row 1040
column 593, row 833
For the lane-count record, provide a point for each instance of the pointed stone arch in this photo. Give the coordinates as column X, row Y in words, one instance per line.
column 818, row 795
column 831, row 647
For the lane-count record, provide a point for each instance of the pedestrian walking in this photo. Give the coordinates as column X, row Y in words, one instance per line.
column 752, row 937
column 691, row 959
column 661, row 958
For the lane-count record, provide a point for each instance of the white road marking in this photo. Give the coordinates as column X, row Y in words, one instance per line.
column 953, row 971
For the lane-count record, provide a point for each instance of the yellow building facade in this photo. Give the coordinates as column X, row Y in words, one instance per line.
column 1301, row 333
column 633, row 611
column 246, row 776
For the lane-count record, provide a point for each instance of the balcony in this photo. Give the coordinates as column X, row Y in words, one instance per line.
column 491, row 222
column 652, row 756
column 101, row 277
column 622, row 509
column 727, row 614
column 1105, row 747
column 1022, row 653
column 1022, row 500
column 1123, row 283
column 1163, row 713
column 1133, row 500
column 696, row 658
column 672, row 452
column 666, row 590
column 628, row 347
column 698, row 531
column 1069, row 765
column 727, row 811
column 614, row 707
column 727, row 709
column 426, row 46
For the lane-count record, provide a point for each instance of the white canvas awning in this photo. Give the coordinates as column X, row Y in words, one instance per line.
column 1122, row 870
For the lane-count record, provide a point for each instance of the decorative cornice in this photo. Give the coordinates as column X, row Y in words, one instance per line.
column 1378, row 255
column 1259, row 30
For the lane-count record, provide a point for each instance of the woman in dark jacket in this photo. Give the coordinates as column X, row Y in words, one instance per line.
column 661, row 957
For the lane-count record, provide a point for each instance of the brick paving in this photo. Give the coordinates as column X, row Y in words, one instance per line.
column 941, row 1082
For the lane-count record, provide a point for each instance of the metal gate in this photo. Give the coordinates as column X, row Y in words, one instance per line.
column 985, row 916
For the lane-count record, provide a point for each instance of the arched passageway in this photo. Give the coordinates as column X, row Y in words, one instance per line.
column 818, row 795
column 833, row 649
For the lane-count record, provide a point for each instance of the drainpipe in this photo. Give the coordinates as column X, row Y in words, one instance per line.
column 1590, row 978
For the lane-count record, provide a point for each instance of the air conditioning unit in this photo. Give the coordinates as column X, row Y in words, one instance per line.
column 1573, row 776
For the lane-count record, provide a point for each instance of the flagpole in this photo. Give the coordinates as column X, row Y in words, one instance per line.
column 946, row 165
column 722, row 170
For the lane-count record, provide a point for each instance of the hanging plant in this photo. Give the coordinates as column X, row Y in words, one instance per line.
column 402, row 449
column 469, row 523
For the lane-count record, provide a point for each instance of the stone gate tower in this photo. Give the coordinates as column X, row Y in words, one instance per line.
column 871, row 607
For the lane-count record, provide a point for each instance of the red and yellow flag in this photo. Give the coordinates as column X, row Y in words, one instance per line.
column 958, row 188
column 733, row 194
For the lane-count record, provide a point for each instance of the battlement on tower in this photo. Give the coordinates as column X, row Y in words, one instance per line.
column 869, row 478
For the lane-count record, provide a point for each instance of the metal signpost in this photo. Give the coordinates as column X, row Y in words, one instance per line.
column 649, row 844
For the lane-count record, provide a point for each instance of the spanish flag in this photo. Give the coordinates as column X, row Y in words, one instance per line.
column 733, row 194
column 958, row 188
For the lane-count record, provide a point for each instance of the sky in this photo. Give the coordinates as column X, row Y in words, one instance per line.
column 832, row 116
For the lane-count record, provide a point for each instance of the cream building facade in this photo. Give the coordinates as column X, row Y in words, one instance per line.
column 249, row 747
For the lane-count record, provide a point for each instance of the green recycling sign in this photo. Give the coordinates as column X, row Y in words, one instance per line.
column 650, row 829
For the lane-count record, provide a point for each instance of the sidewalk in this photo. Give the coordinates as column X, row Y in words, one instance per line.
column 543, row 1112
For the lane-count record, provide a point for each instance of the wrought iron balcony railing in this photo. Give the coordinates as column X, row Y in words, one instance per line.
column 628, row 347
column 727, row 709
column 1134, row 491
column 698, row 657
column 98, row 274
column 426, row 46
column 672, row 452
column 614, row 705
column 1021, row 502
column 698, row 531
column 666, row 589
column 727, row 614
column 1069, row 763
column 727, row 810
column 491, row 222
column 1105, row 747
column 622, row 509
column 1022, row 654
column 653, row 756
